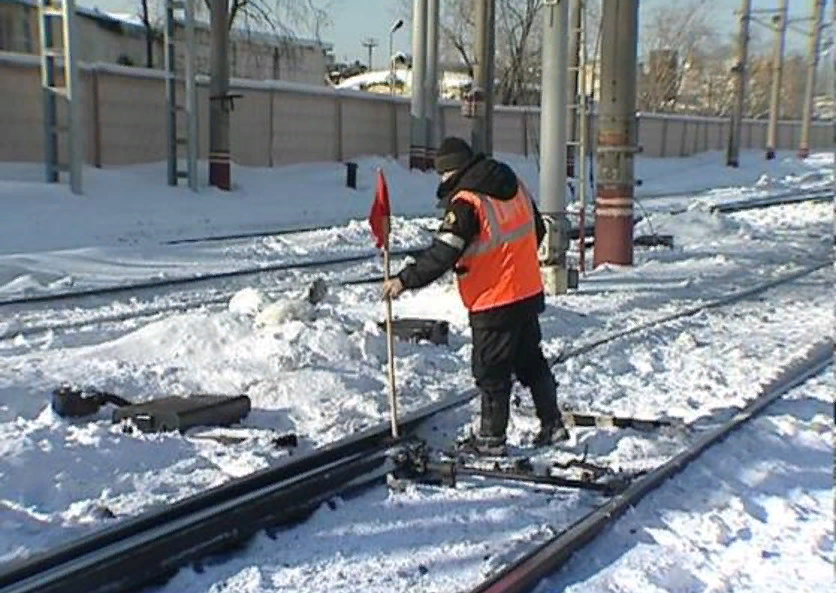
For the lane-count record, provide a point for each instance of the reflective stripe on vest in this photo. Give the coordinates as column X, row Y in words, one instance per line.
column 501, row 264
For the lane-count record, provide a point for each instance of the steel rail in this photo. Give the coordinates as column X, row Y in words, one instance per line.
column 687, row 312
column 821, row 195
column 223, row 507
column 738, row 205
column 152, row 310
column 250, row 271
column 526, row 573
column 281, row 231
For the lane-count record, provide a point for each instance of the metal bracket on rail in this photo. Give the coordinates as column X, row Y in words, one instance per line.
column 573, row 419
column 227, row 100
column 413, row 464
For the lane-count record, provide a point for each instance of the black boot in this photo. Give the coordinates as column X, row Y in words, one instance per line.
column 544, row 394
column 493, row 424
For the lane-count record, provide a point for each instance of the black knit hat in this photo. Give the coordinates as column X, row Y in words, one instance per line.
column 454, row 153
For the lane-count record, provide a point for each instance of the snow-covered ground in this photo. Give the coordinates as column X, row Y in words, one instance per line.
column 753, row 514
column 52, row 241
column 322, row 372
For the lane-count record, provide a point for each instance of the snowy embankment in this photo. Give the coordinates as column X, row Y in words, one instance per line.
column 52, row 241
column 446, row 540
column 753, row 514
column 325, row 377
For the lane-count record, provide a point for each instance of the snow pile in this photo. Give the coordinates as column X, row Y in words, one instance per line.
column 694, row 227
column 758, row 520
column 316, row 366
column 247, row 301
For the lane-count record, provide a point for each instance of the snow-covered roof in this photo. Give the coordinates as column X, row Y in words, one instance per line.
column 361, row 81
column 449, row 80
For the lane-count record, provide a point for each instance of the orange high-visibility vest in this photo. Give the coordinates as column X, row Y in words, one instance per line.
column 500, row 266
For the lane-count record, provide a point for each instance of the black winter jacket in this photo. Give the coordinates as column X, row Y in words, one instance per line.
column 460, row 226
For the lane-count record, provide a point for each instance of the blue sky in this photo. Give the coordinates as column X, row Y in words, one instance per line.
column 354, row 20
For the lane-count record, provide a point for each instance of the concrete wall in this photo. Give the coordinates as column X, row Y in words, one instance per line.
column 279, row 123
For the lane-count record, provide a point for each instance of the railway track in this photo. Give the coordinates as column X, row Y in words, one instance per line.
column 196, row 280
column 788, row 197
column 149, row 547
column 223, row 517
column 29, row 322
column 524, row 574
column 355, row 275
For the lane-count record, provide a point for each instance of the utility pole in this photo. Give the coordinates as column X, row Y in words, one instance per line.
column 63, row 15
column 417, row 133
column 370, row 43
column 397, row 25
column 553, row 145
column 739, row 69
column 483, row 75
column 617, row 133
column 807, row 114
column 574, row 97
column 780, row 23
column 833, row 82
column 219, row 100
column 431, row 82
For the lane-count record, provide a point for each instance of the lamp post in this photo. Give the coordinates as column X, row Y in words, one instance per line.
column 398, row 24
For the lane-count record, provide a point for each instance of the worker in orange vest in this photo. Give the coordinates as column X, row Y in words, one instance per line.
column 489, row 235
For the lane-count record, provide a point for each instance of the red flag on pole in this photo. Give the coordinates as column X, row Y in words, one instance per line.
column 379, row 216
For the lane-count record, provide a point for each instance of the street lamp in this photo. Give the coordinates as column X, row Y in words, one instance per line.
column 398, row 24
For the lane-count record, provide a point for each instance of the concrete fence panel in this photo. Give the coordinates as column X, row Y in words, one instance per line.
column 21, row 115
column 304, row 128
column 250, row 128
column 654, row 136
column 365, row 126
column 507, row 131
column 402, row 130
column 123, row 112
column 454, row 123
column 131, row 119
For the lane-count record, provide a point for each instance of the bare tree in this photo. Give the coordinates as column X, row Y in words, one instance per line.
column 517, row 41
column 149, row 35
column 673, row 34
column 520, row 44
column 285, row 20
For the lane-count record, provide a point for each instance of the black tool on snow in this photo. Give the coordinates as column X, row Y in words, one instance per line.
column 74, row 402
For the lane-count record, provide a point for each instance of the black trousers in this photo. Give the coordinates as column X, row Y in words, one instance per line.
column 499, row 355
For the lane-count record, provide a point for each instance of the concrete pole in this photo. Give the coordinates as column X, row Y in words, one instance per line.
column 483, row 75
column 733, row 151
column 553, row 145
column 219, row 167
column 807, row 114
column 491, row 76
column 574, row 98
column 72, row 82
column 431, row 82
column 417, row 134
column 617, row 133
column 780, row 21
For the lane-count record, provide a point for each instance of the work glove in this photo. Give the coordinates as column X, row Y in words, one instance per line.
column 392, row 288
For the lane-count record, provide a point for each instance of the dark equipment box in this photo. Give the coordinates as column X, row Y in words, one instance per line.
column 182, row 413
column 414, row 330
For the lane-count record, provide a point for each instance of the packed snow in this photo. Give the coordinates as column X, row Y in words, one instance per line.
column 319, row 369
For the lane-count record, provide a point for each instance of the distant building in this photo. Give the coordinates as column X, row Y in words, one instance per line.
column 120, row 39
column 451, row 84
